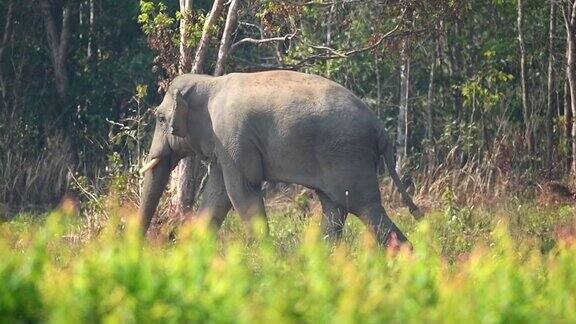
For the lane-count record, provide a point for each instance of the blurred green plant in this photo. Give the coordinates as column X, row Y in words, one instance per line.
column 119, row 277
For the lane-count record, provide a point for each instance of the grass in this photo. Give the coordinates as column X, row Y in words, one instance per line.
column 30, row 180
column 506, row 264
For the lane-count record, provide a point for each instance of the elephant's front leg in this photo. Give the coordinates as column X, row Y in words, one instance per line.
column 214, row 202
column 246, row 197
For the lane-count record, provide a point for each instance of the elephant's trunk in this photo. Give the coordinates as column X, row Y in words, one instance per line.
column 155, row 181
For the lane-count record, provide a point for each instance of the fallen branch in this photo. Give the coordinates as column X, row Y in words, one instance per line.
column 319, row 4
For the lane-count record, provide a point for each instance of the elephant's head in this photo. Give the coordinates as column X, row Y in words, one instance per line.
column 171, row 130
column 182, row 128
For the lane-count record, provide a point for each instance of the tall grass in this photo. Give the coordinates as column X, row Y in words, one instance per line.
column 483, row 166
column 292, row 276
column 30, row 180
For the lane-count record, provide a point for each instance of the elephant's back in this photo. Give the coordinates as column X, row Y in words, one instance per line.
column 293, row 102
column 290, row 94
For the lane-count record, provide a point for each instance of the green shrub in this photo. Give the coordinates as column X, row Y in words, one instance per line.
column 119, row 277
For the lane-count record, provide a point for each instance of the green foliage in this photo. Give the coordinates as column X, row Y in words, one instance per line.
column 118, row 277
column 119, row 177
column 484, row 86
column 154, row 16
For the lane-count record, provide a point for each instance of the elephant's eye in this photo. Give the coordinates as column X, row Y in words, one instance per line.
column 162, row 119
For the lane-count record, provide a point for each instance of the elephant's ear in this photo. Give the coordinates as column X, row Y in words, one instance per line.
column 179, row 122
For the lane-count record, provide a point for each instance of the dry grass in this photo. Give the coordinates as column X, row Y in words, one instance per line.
column 29, row 181
column 484, row 174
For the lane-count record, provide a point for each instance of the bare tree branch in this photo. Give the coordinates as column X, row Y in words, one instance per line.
column 235, row 46
column 320, row 3
column 334, row 54
column 329, row 53
column 254, row 26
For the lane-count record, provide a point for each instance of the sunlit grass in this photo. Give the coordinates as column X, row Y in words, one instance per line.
column 501, row 265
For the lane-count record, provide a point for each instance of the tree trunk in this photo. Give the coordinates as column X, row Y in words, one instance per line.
column 5, row 38
column 185, row 53
column 550, row 107
column 568, row 118
column 457, row 63
column 185, row 182
column 201, row 51
column 226, row 38
column 528, row 137
column 572, row 83
column 186, row 178
column 183, row 176
column 429, row 112
column 91, row 49
column 429, row 148
column 402, row 134
column 58, row 41
column 569, row 20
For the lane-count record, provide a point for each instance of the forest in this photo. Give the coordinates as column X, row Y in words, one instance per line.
column 477, row 97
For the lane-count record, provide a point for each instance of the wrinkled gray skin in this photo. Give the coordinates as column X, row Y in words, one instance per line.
column 280, row 126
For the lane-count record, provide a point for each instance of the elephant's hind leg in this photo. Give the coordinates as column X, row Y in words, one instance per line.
column 214, row 202
column 334, row 217
column 375, row 218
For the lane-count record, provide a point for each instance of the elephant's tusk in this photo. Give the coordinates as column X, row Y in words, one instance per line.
column 150, row 165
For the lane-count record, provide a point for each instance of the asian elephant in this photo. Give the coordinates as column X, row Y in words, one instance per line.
column 276, row 125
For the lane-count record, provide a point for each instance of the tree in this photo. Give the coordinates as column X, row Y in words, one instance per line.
column 526, row 113
column 6, row 34
column 430, row 98
column 185, row 62
column 59, row 41
column 456, row 62
column 550, row 97
column 91, row 48
column 402, row 124
column 569, row 11
column 226, row 41
column 430, row 158
column 202, row 49
column 188, row 175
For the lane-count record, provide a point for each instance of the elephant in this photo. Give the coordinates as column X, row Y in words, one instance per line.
column 278, row 125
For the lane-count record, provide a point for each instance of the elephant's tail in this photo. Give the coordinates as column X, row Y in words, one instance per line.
column 386, row 149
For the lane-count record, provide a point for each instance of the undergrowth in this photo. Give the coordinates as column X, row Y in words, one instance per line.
column 509, row 264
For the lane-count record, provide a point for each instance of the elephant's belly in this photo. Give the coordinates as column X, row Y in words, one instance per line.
column 293, row 169
column 311, row 151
